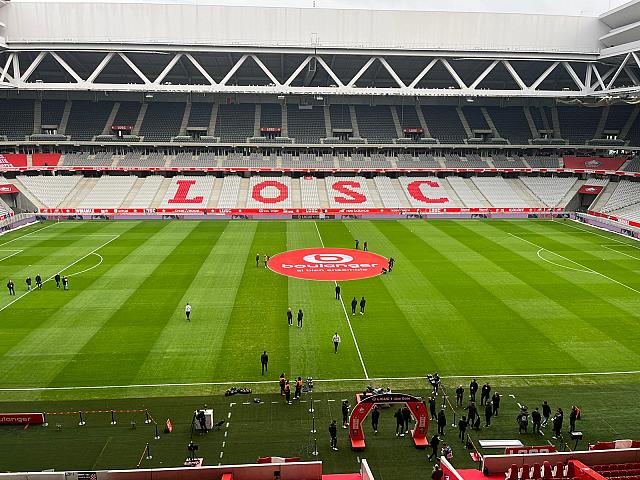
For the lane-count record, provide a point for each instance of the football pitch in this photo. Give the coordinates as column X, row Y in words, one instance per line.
column 525, row 304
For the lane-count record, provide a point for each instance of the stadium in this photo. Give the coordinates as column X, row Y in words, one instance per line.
column 279, row 242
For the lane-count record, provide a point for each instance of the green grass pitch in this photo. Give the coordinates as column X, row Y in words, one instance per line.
column 470, row 297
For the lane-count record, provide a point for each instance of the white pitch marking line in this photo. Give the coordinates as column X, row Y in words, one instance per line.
column 223, row 444
column 221, row 454
column 617, row 251
column 346, row 315
column 27, row 234
column 15, row 252
column 229, row 415
column 596, row 233
column 65, row 268
column 326, row 380
column 580, row 265
column 558, row 264
column 90, row 268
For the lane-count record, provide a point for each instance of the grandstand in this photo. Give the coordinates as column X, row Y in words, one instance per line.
column 478, row 149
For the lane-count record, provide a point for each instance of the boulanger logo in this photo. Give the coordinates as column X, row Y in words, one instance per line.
column 328, row 264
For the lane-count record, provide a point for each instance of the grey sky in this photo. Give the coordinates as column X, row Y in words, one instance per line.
column 553, row 7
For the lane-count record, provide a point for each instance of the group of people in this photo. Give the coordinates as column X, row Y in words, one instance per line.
column 541, row 419
column 60, row 280
column 285, row 388
column 266, row 260
column 365, row 245
column 300, row 316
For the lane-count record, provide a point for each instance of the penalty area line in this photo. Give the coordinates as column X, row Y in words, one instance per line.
column 319, row 380
column 346, row 315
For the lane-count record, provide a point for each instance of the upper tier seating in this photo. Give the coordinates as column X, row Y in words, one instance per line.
column 108, row 192
column 340, row 117
column 188, row 160
column 186, row 192
column 50, row 191
column 475, row 118
column 127, row 114
column 162, row 121
column 434, row 191
column 499, row 192
column 511, row 123
column 578, row 124
column 307, row 160
column 444, row 123
column 235, row 122
column 87, row 119
column 309, row 192
column 550, row 190
column 200, row 115
column 148, row 191
column 230, row 191
column 627, row 193
column 254, row 160
column 135, row 160
column 408, row 116
column 617, row 118
column 269, row 193
column 376, row 123
column 52, row 112
column 16, row 119
column 306, row 125
column 387, row 192
column 405, row 160
column 271, row 115
column 84, row 159
column 338, row 199
column 358, row 160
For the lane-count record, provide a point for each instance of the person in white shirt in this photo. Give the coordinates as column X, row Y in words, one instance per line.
column 187, row 311
column 336, row 342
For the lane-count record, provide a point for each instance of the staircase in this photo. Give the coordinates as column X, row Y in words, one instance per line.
column 524, row 193
column 243, row 192
column 62, row 128
column 374, row 195
column 37, row 117
column 532, row 124
column 630, row 122
column 162, row 190
column 215, row 193
column 396, row 121
column 212, row 122
column 78, row 194
column 602, row 122
column 112, row 118
column 322, row 192
column 285, row 121
column 256, row 120
column 132, row 193
column 185, row 119
column 354, row 121
column 140, row 119
column 327, row 122
column 604, row 196
column 423, row 122
column 477, row 193
column 465, row 124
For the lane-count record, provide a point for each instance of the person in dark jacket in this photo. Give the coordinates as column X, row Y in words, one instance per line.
column 264, row 360
column 459, row 395
column 488, row 413
column 57, row 279
column 432, row 408
column 65, row 283
column 39, row 282
column 282, row 381
column 495, row 401
column 354, row 305
column 462, row 427
column 573, row 416
column 399, row 423
column 523, row 419
column 546, row 413
column 442, row 422
column 536, row 420
column 472, row 411
column 434, row 443
column 257, row 259
column 557, row 421
column 406, row 416
column 345, row 414
column 357, row 244
column 337, row 291
column 365, row 246
column 437, row 473
column 473, row 388
column 289, row 317
column 485, row 393
column 333, row 433
column 363, row 303
column 300, row 315
column 11, row 287
column 28, row 282
column 375, row 417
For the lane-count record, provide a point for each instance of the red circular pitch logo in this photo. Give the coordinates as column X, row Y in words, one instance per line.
column 329, row 264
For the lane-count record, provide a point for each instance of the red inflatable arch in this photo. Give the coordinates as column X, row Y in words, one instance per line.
column 362, row 409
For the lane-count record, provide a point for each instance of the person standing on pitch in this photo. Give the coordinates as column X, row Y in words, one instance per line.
column 363, row 303
column 473, row 388
column 434, row 444
column 345, row 413
column 299, row 383
column 375, row 417
column 546, row 413
column 495, row 401
column 187, row 312
column 28, row 282
column 459, row 395
column 399, row 423
column 282, row 381
column 337, row 291
column 484, row 393
column 357, row 244
column 11, row 287
column 365, row 247
column 488, row 413
column 336, row 342
column 287, row 392
column 333, row 433
column 354, row 305
column 257, row 259
column 57, row 279
column 300, row 315
column 462, row 427
column 65, row 283
column 406, row 416
column 536, row 420
column 289, row 316
column 442, row 422
column 264, row 360
column 39, row 282
column 266, row 259
column 432, row 408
